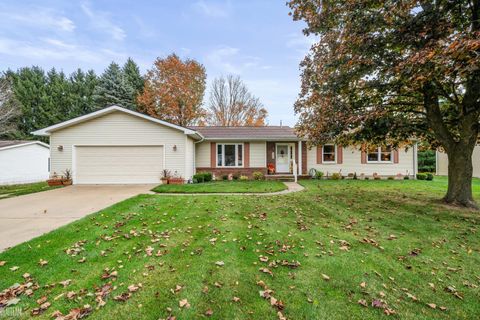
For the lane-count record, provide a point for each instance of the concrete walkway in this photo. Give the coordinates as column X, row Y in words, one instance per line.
column 25, row 217
column 291, row 187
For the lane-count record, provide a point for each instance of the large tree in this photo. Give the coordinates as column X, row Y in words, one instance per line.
column 232, row 104
column 388, row 71
column 114, row 89
column 174, row 90
column 9, row 108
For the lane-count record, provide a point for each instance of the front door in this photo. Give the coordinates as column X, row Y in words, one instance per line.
column 283, row 158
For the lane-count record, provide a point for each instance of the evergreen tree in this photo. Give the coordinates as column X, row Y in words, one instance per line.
column 56, row 105
column 82, row 86
column 113, row 89
column 134, row 78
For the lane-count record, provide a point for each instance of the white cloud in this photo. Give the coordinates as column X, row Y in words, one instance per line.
column 227, row 59
column 39, row 18
column 213, row 9
column 101, row 21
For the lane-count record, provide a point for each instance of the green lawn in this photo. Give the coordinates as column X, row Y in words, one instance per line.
column 21, row 189
column 223, row 186
column 390, row 243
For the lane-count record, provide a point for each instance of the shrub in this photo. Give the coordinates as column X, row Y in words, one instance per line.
column 336, row 176
column 243, row 178
column 377, row 178
column 367, row 178
column 319, row 175
column 199, row 178
column 207, row 176
column 257, row 175
column 429, row 177
column 421, row 176
column 236, row 176
column 355, row 176
column 391, row 178
column 406, row 178
column 225, row 177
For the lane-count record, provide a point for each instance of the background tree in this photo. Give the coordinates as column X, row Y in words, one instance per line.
column 174, row 90
column 231, row 104
column 114, row 89
column 82, row 86
column 385, row 72
column 9, row 109
column 134, row 78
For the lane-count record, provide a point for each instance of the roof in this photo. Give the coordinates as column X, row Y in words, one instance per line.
column 278, row 133
column 8, row 144
column 48, row 130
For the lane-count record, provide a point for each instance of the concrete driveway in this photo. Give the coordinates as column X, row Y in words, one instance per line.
column 25, row 217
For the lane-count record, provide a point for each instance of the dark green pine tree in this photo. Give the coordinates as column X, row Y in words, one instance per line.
column 57, row 103
column 134, row 78
column 82, row 86
column 113, row 89
column 29, row 87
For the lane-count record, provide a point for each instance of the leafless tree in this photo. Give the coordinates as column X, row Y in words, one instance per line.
column 9, row 107
column 231, row 104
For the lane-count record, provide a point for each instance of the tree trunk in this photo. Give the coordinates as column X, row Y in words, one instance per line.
column 460, row 171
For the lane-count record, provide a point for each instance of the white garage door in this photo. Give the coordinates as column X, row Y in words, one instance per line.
column 118, row 164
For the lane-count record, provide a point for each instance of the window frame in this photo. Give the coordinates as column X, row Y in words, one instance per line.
column 236, row 154
column 334, row 153
column 379, row 156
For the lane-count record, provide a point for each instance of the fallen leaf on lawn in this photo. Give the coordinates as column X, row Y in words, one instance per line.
column 82, row 260
column 281, row 316
column 363, row 284
column 263, row 259
column 265, row 270
column 134, row 288
column 65, row 282
column 42, row 262
column 71, row 295
column 432, row 305
column 236, row 299
column 15, row 268
column 107, row 275
column 184, row 303
column 209, row 312
column 362, row 302
column 74, row 314
column 123, row 297
column 392, row 237
column 325, row 277
column 220, row 263
column 2, row 263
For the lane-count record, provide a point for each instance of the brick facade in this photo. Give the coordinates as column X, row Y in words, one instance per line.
column 219, row 172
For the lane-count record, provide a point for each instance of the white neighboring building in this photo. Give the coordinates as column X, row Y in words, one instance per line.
column 23, row 161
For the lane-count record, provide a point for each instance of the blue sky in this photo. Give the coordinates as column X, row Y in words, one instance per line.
column 257, row 40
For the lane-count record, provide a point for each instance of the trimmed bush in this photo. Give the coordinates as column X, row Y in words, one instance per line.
column 225, row 177
column 421, row 176
column 336, row 176
column 257, row 175
column 429, row 177
column 207, row 176
column 319, row 175
column 406, row 178
column 243, row 178
column 391, row 178
column 198, row 178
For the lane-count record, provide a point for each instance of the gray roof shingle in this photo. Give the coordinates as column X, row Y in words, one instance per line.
column 247, row 133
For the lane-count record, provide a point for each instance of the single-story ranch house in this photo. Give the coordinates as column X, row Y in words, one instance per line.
column 118, row 146
column 23, row 161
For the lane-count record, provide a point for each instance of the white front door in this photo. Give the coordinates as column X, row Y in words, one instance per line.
column 283, row 158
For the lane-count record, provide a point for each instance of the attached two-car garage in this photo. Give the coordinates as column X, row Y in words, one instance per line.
column 118, row 164
column 120, row 146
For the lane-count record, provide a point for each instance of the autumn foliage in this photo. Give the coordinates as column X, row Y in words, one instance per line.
column 174, row 90
column 386, row 72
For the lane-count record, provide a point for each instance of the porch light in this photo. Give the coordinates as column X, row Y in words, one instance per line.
column 60, row 148
column 175, row 147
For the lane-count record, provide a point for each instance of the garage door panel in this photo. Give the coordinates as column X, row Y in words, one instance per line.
column 118, row 164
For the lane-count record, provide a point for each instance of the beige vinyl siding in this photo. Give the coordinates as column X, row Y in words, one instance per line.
column 352, row 163
column 258, row 154
column 202, row 155
column 118, row 128
column 442, row 163
column 189, row 157
column 118, row 164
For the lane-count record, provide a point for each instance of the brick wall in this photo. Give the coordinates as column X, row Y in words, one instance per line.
column 219, row 172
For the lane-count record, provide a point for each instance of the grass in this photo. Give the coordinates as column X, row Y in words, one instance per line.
column 223, row 187
column 334, row 229
column 21, row 189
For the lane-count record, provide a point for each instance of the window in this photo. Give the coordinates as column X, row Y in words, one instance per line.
column 328, row 153
column 230, row 155
column 379, row 154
